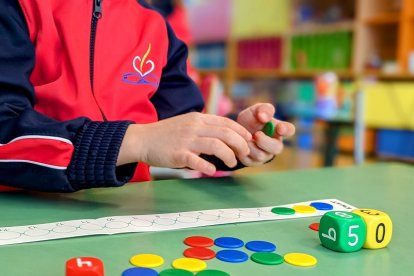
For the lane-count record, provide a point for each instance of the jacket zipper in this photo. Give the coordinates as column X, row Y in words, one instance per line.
column 96, row 15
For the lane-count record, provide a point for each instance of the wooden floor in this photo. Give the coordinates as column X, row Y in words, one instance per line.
column 296, row 159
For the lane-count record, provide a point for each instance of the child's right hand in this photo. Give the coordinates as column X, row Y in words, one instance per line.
column 177, row 142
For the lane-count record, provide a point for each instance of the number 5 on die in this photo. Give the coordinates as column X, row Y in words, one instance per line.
column 342, row 231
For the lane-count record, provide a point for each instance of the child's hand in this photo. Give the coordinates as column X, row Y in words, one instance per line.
column 177, row 142
column 263, row 148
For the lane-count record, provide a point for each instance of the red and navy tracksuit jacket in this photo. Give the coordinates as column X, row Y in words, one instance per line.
column 73, row 75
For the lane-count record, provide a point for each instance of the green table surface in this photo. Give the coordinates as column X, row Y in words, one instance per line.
column 386, row 187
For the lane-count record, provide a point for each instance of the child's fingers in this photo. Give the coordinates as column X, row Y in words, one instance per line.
column 264, row 112
column 259, row 156
column 270, row 145
column 229, row 137
column 285, row 129
column 197, row 163
column 228, row 123
column 213, row 146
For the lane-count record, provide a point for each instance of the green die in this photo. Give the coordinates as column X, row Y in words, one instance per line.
column 342, row 231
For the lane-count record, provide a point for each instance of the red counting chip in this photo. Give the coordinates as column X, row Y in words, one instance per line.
column 314, row 226
column 199, row 241
column 200, row 253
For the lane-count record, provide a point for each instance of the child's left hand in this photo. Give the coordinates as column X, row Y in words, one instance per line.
column 262, row 147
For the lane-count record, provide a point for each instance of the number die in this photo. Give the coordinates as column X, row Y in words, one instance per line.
column 379, row 228
column 84, row 266
column 342, row 231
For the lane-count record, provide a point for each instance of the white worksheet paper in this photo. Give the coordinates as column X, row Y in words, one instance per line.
column 153, row 222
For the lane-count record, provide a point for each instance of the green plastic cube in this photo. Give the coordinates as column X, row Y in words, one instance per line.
column 342, row 231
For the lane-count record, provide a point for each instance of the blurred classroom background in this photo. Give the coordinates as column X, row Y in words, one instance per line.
column 341, row 70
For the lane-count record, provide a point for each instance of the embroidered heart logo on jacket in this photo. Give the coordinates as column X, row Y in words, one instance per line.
column 148, row 62
column 144, row 67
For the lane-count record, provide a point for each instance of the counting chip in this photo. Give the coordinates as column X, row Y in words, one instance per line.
column 200, row 253
column 314, row 226
column 140, row 271
column 199, row 241
column 267, row 258
column 212, row 272
column 147, row 260
column 229, row 242
column 190, row 264
column 300, row 259
column 283, row 211
column 269, row 129
column 261, row 246
column 322, row 206
column 304, row 209
column 232, row 256
column 176, row 272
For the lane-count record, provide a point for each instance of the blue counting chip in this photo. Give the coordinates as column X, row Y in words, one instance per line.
column 322, row 206
column 140, row 271
column 232, row 256
column 229, row 242
column 261, row 246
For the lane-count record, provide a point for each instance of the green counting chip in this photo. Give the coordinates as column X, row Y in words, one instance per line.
column 176, row 272
column 267, row 258
column 212, row 272
column 269, row 129
column 283, row 211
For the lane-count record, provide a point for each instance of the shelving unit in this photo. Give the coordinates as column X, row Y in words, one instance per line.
column 346, row 25
column 380, row 28
column 378, row 34
column 384, row 28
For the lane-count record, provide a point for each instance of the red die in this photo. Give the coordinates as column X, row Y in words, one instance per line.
column 84, row 266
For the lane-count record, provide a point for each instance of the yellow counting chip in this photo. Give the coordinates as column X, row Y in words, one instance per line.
column 304, row 209
column 300, row 259
column 190, row 264
column 146, row 260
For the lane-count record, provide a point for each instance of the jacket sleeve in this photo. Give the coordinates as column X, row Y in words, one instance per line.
column 177, row 93
column 37, row 152
column 165, row 7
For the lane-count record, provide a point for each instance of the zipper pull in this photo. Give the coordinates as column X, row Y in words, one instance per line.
column 97, row 9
